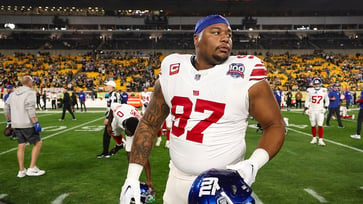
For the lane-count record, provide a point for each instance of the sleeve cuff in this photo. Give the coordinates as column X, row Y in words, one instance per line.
column 134, row 171
column 259, row 157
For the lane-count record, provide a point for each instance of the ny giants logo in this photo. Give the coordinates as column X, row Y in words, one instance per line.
column 174, row 69
column 209, row 186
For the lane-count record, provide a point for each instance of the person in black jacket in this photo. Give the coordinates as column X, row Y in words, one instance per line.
column 67, row 104
column 74, row 100
column 44, row 97
column 38, row 101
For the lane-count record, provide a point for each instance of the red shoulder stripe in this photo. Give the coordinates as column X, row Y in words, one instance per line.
column 259, row 72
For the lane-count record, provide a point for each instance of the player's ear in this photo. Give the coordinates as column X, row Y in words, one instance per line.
column 196, row 39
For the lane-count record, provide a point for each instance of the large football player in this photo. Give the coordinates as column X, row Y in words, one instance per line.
column 317, row 101
column 210, row 96
column 125, row 117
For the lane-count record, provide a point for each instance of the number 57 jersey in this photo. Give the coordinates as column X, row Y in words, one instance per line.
column 209, row 110
column 316, row 99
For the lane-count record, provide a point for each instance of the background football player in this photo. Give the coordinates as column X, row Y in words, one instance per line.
column 145, row 99
column 125, row 117
column 344, row 113
column 317, row 101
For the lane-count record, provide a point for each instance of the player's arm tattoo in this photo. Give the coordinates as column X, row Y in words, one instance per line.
column 149, row 125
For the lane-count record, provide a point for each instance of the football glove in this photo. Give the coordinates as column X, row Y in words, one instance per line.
column 37, row 127
column 130, row 189
column 246, row 170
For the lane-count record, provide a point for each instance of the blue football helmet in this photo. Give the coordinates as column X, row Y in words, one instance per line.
column 147, row 194
column 220, row 186
column 317, row 83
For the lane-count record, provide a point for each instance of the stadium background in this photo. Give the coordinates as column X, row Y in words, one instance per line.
column 82, row 44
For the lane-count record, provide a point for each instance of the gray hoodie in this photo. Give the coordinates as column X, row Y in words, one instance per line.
column 21, row 106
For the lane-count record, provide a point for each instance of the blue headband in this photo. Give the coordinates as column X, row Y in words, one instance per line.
column 207, row 21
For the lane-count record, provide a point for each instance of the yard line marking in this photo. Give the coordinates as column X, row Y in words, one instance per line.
column 257, row 199
column 291, row 152
column 2, row 196
column 361, row 187
column 59, row 199
column 331, row 141
column 315, row 195
column 57, row 133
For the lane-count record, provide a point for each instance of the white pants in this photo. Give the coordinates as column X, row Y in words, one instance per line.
column 316, row 117
column 177, row 186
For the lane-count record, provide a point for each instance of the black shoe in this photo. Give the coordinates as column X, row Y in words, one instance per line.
column 103, row 155
column 116, row 149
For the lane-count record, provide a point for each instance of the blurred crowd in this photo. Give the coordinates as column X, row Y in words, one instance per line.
column 134, row 71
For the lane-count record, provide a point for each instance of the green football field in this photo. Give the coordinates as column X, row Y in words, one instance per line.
column 300, row 173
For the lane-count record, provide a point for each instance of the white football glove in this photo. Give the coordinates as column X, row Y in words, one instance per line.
column 246, row 170
column 130, row 189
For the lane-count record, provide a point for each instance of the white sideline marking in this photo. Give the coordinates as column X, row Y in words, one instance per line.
column 59, row 199
column 2, row 196
column 315, row 195
column 57, row 133
column 257, row 199
column 331, row 141
column 39, row 116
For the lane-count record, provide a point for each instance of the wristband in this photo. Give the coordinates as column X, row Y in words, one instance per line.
column 259, row 158
column 134, row 171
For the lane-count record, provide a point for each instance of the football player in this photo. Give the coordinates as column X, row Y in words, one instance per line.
column 145, row 99
column 113, row 97
column 317, row 101
column 125, row 117
column 210, row 96
column 344, row 113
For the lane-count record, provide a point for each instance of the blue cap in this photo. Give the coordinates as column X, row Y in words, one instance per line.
column 9, row 86
column 209, row 20
column 335, row 85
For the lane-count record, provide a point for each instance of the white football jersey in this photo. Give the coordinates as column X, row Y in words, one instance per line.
column 209, row 110
column 316, row 99
column 145, row 97
column 122, row 112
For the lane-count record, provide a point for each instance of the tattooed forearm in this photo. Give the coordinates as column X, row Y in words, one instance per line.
column 149, row 126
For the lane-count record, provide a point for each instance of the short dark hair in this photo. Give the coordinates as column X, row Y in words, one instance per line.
column 131, row 124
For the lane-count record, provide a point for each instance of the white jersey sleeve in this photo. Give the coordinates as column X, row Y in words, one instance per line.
column 209, row 110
